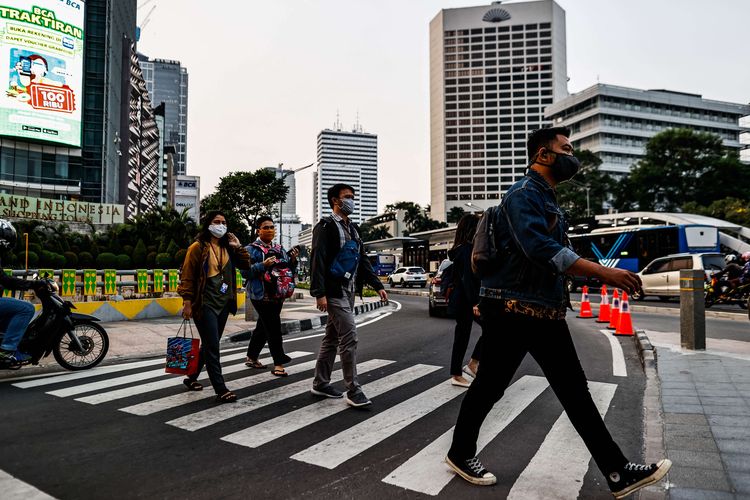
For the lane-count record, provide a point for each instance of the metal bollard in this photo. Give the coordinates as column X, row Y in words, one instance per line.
column 692, row 310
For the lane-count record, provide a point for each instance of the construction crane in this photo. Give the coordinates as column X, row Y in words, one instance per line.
column 146, row 19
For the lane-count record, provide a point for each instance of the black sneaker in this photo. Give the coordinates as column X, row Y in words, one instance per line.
column 472, row 470
column 357, row 400
column 633, row 477
column 327, row 391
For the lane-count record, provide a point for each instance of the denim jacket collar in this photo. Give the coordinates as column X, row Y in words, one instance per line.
column 539, row 179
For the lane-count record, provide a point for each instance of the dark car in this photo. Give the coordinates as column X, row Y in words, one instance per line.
column 438, row 306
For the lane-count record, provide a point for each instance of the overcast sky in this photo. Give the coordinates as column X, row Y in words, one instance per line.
column 267, row 76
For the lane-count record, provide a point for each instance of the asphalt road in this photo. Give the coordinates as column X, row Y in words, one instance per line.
column 109, row 435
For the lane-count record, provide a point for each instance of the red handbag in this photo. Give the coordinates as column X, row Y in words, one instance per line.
column 183, row 352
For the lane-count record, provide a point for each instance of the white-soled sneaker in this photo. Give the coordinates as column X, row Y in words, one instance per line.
column 632, row 477
column 472, row 470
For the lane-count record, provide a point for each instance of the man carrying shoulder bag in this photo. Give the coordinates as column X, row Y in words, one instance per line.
column 339, row 267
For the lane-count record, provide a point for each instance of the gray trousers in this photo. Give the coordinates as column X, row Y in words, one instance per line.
column 341, row 334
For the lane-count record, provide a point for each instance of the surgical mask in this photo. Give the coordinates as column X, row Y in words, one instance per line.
column 218, row 230
column 348, row 206
column 565, row 167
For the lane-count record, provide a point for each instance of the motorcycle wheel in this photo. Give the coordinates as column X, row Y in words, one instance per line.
column 94, row 340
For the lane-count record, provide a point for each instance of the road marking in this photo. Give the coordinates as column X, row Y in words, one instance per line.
column 217, row 414
column 104, row 397
column 347, row 444
column 183, row 398
column 127, row 379
column 15, row 489
column 100, row 370
column 618, row 358
column 426, row 471
column 264, row 432
column 561, row 462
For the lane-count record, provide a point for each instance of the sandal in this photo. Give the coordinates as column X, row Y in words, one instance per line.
column 279, row 373
column 227, row 397
column 192, row 385
column 254, row 363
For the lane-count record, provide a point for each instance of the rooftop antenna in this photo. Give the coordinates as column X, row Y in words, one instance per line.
column 337, row 125
column 357, row 125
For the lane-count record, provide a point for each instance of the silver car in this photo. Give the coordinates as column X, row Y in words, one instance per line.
column 662, row 276
column 408, row 276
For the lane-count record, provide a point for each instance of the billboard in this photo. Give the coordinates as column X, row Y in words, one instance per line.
column 41, row 62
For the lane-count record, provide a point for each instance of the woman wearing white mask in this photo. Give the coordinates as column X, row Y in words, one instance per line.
column 207, row 287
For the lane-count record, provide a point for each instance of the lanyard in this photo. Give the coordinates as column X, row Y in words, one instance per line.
column 219, row 257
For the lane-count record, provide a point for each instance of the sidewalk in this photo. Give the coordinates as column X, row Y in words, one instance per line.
column 704, row 419
column 149, row 337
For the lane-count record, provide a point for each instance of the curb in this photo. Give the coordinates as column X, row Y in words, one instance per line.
column 300, row 325
column 675, row 311
column 653, row 416
column 414, row 293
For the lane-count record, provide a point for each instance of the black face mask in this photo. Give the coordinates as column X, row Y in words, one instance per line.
column 564, row 167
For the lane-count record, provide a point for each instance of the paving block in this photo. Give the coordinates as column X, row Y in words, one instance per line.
column 706, row 459
column 685, row 418
column 699, row 478
column 737, row 461
column 696, row 494
column 741, row 482
column 733, row 445
column 690, row 443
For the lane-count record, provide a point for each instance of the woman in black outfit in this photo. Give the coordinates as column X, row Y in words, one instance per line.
column 463, row 300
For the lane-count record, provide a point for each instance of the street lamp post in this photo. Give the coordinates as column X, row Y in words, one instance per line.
column 284, row 175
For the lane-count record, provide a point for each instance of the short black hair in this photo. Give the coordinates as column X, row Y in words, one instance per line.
column 543, row 137
column 335, row 190
column 263, row 218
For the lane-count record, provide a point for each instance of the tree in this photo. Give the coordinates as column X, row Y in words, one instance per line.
column 455, row 214
column 729, row 209
column 249, row 194
column 682, row 166
column 588, row 190
column 414, row 217
column 368, row 232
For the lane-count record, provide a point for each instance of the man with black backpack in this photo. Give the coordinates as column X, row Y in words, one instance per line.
column 523, row 304
column 339, row 268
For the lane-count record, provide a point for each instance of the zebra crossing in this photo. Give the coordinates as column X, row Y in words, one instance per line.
column 142, row 388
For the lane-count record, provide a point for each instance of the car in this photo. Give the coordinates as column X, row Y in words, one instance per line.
column 661, row 277
column 437, row 305
column 408, row 276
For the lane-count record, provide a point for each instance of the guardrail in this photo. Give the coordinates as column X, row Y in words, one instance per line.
column 101, row 283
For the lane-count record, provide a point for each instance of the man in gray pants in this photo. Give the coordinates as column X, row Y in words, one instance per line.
column 339, row 267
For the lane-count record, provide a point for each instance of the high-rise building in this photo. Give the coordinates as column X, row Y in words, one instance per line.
column 493, row 71
column 187, row 195
column 615, row 122
column 167, row 82
column 141, row 180
column 350, row 158
column 68, row 147
column 288, row 224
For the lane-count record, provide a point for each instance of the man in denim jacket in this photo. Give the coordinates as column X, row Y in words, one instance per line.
column 523, row 303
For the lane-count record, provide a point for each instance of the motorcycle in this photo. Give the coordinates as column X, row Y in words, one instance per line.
column 722, row 292
column 76, row 340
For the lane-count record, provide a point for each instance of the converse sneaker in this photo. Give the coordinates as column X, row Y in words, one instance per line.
column 327, row 391
column 633, row 477
column 472, row 470
column 357, row 400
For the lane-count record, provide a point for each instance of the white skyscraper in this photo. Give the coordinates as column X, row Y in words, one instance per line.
column 493, row 71
column 350, row 158
column 288, row 223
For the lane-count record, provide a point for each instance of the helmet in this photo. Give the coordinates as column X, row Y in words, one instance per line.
column 7, row 234
column 730, row 258
column 746, row 256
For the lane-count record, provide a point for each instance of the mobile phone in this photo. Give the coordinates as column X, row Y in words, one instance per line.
column 25, row 65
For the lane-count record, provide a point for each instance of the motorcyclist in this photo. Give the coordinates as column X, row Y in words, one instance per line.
column 728, row 277
column 15, row 315
column 745, row 276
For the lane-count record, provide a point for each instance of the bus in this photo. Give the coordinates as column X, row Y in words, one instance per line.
column 633, row 247
column 382, row 263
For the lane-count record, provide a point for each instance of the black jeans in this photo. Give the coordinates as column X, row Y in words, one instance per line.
column 464, row 321
column 268, row 329
column 210, row 328
column 506, row 339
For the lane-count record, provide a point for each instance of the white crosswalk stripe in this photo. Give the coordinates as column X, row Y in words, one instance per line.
column 260, row 434
column 426, row 471
column 166, row 403
column 104, row 397
column 218, row 414
column 353, row 441
column 562, row 460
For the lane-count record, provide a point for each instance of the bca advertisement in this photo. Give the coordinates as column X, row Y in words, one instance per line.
column 41, row 59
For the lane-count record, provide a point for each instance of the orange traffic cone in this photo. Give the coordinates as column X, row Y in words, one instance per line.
column 625, row 325
column 586, row 311
column 604, row 307
column 614, row 313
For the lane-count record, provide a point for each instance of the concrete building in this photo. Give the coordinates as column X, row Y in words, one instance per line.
column 350, row 158
column 288, row 224
column 493, row 71
column 616, row 122
column 167, row 82
column 187, row 195
column 141, row 180
column 87, row 167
